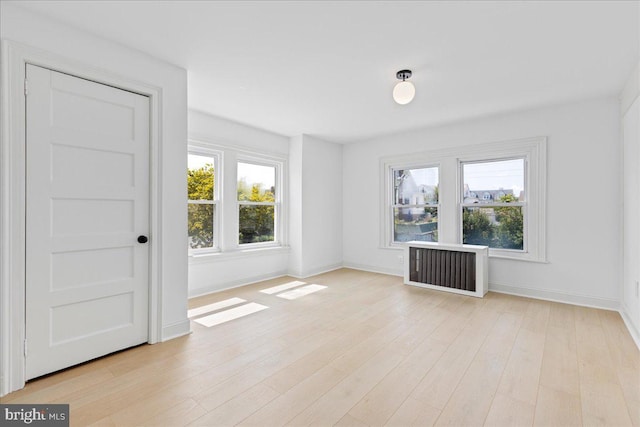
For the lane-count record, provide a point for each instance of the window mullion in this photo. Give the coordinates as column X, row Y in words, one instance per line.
column 248, row 203
column 203, row 202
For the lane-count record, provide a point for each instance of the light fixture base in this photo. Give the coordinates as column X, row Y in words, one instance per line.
column 403, row 74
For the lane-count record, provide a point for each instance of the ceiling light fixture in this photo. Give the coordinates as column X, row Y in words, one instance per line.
column 404, row 91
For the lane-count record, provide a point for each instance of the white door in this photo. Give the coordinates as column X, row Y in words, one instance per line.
column 87, row 201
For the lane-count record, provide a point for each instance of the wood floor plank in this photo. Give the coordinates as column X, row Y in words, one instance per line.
column 183, row 413
column 603, row 404
column 282, row 409
column 629, row 379
column 211, row 398
column 238, row 408
column 536, row 317
column 603, row 401
column 471, row 400
column 560, row 360
column 562, row 316
column 506, row 411
column 437, row 386
column 414, row 413
column 337, row 402
column 377, row 406
column 521, row 376
column 349, row 421
column 557, row 408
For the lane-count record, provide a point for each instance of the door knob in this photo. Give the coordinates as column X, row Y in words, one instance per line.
column 143, row 239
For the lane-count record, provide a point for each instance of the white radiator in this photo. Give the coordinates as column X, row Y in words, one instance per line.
column 462, row 269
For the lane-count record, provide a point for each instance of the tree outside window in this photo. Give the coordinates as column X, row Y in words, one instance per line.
column 256, row 203
column 202, row 202
column 497, row 218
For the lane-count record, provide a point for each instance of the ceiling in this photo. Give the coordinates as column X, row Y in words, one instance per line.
column 327, row 68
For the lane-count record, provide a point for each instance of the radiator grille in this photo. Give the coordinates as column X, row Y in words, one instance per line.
column 450, row 269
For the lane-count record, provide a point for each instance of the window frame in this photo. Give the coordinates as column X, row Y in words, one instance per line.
column 277, row 203
column 392, row 205
column 534, row 150
column 507, row 253
column 217, row 156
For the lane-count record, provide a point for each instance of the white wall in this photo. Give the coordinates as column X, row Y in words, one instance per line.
column 227, row 132
column 630, row 298
column 210, row 273
column 35, row 31
column 295, row 204
column 583, row 194
column 314, row 200
column 316, row 206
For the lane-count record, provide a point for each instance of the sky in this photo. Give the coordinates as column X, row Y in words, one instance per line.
column 505, row 174
column 257, row 174
column 494, row 175
column 196, row 162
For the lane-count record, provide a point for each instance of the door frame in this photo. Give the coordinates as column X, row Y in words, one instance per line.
column 15, row 56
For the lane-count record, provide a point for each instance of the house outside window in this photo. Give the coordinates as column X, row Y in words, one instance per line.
column 415, row 204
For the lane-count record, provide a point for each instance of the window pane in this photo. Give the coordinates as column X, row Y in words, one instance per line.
column 415, row 224
column 256, row 224
column 200, row 225
column 491, row 182
column 200, row 177
column 256, row 183
column 415, row 186
column 496, row 227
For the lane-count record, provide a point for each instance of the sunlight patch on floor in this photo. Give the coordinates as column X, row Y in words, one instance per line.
column 210, row 308
column 283, row 287
column 300, row 292
column 231, row 314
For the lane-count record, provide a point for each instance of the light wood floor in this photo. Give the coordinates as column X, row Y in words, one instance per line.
column 367, row 351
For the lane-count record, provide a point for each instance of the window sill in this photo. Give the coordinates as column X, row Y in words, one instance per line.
column 526, row 257
column 237, row 253
column 493, row 254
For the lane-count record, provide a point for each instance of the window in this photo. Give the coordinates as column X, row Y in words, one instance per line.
column 236, row 206
column 486, row 194
column 257, row 203
column 202, row 201
column 415, row 204
column 497, row 220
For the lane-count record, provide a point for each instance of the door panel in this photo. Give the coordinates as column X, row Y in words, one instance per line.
column 87, row 201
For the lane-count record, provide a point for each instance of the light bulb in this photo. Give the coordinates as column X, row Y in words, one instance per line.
column 404, row 92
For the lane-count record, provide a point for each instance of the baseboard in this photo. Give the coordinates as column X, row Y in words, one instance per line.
column 315, row 271
column 235, row 284
column 549, row 295
column 633, row 331
column 176, row 330
column 374, row 269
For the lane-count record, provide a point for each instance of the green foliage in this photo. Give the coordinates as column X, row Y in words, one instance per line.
column 509, row 232
column 506, row 233
column 508, row 198
column 200, row 184
column 476, row 227
column 256, row 221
